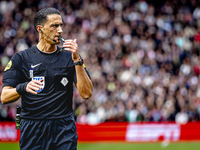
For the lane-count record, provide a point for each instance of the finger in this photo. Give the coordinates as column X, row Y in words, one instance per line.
column 32, row 91
column 69, row 49
column 35, row 87
column 37, row 82
column 29, row 90
column 70, row 46
column 70, row 41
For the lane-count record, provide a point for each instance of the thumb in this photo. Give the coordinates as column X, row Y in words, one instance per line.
column 75, row 40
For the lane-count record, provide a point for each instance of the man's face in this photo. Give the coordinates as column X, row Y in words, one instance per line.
column 53, row 28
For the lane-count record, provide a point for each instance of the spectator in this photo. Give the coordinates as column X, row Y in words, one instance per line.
column 142, row 56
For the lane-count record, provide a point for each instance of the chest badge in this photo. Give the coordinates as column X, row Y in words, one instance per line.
column 38, row 79
column 64, row 81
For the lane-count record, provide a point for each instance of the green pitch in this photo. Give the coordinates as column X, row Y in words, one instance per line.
column 123, row 146
column 139, row 146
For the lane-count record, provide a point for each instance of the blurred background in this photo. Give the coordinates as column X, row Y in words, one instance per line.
column 143, row 56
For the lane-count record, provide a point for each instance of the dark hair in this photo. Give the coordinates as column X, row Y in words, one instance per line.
column 41, row 16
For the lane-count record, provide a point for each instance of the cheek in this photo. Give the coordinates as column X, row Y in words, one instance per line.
column 51, row 32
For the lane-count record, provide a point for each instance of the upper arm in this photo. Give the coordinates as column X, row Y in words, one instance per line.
column 12, row 73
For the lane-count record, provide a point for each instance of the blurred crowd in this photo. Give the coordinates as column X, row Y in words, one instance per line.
column 143, row 56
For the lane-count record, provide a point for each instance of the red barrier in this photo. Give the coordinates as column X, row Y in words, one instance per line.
column 190, row 132
column 121, row 132
column 152, row 132
column 102, row 132
column 139, row 132
column 8, row 132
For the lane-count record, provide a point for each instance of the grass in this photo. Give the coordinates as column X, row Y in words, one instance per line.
column 122, row 146
column 9, row 146
column 139, row 146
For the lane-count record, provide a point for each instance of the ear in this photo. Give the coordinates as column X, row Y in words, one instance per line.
column 39, row 28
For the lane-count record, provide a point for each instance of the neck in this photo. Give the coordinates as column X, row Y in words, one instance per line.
column 46, row 47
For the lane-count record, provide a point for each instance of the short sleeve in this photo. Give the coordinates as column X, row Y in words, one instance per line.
column 12, row 73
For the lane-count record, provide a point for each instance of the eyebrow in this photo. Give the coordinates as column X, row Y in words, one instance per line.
column 55, row 24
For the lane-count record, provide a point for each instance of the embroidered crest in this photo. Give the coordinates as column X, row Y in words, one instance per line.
column 38, row 79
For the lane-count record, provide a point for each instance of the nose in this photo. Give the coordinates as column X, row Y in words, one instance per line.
column 60, row 30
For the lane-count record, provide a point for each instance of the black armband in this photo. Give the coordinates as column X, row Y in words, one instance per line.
column 21, row 88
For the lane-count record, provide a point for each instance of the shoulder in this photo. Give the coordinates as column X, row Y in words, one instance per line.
column 19, row 56
column 28, row 50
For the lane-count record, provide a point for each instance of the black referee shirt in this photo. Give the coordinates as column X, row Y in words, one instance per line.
column 57, row 70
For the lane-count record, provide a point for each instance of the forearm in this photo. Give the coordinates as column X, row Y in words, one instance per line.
column 84, row 84
column 9, row 94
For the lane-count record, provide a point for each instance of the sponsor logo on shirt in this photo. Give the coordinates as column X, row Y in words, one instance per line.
column 33, row 66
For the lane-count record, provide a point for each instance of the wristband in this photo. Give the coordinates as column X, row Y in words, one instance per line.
column 21, row 88
column 80, row 62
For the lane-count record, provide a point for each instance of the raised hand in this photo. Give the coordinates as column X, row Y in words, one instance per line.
column 72, row 46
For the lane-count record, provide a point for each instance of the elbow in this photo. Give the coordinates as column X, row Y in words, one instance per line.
column 6, row 101
column 87, row 95
column 2, row 100
column 3, row 97
column 3, row 103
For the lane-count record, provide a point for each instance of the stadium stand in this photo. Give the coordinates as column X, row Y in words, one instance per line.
column 143, row 56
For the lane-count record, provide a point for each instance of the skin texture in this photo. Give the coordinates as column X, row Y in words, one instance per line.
column 53, row 29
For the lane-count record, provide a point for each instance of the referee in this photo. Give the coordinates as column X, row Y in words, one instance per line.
column 43, row 77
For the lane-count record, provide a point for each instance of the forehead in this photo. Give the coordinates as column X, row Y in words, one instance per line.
column 54, row 18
